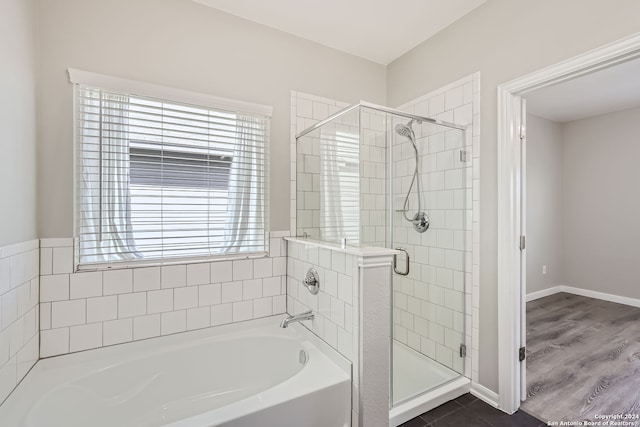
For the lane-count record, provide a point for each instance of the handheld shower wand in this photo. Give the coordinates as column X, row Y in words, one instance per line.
column 420, row 220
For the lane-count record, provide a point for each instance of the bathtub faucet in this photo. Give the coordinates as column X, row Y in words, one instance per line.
column 307, row 315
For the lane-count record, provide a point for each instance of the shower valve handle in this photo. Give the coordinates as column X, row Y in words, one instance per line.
column 312, row 281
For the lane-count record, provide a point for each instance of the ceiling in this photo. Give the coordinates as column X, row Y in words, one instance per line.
column 613, row 89
column 378, row 30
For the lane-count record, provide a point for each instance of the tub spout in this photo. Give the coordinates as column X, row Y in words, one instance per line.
column 307, row 315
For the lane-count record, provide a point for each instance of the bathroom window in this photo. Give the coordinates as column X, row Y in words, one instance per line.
column 161, row 180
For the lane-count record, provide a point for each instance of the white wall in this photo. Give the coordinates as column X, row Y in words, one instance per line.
column 581, row 211
column 18, row 56
column 504, row 39
column 544, row 203
column 19, row 338
column 601, row 203
column 186, row 45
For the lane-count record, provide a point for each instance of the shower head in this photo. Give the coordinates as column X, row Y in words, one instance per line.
column 406, row 130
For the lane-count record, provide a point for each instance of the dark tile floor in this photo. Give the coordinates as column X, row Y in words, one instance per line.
column 468, row 411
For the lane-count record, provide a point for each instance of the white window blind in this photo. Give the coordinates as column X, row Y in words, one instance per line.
column 161, row 181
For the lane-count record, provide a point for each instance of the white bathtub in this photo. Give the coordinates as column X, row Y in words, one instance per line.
column 249, row 374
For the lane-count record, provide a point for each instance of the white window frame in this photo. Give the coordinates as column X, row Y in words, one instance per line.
column 116, row 84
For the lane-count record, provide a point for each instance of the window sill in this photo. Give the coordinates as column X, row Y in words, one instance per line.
column 164, row 262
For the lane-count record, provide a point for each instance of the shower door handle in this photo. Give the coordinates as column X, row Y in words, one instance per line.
column 406, row 265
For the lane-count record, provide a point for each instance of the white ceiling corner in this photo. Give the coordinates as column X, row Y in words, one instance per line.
column 378, row 30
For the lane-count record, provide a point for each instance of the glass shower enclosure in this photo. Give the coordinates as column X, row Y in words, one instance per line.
column 373, row 176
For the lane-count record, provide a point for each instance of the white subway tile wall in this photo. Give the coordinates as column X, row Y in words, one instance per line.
column 336, row 304
column 19, row 312
column 373, row 177
column 324, row 159
column 349, row 152
column 434, row 305
column 84, row 310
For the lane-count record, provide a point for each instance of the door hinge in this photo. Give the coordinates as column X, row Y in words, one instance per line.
column 522, row 353
column 464, row 156
column 523, row 132
column 522, row 243
column 463, row 350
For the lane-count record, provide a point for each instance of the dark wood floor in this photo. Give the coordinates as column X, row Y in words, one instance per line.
column 468, row 411
column 583, row 359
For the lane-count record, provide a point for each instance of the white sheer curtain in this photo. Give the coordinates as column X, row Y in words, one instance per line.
column 246, row 196
column 105, row 210
column 331, row 209
column 340, row 186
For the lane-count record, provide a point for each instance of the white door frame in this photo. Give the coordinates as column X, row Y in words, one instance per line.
column 523, row 248
column 510, row 299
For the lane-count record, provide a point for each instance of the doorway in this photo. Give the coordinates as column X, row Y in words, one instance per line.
column 581, row 229
column 512, row 205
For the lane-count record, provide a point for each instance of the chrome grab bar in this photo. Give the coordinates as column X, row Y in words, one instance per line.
column 406, row 265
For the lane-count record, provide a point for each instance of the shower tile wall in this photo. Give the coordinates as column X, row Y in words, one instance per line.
column 433, row 310
column 342, row 274
column 336, row 320
column 336, row 304
column 456, row 102
column 429, row 302
column 84, row 310
column 368, row 192
column 373, row 181
column 19, row 338
column 327, row 161
column 307, row 110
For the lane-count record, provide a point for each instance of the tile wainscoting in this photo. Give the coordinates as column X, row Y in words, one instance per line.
column 351, row 314
column 19, row 290
column 85, row 310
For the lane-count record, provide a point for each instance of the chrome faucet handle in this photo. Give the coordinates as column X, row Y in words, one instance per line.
column 312, row 281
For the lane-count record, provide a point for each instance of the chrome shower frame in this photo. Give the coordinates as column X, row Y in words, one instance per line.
column 420, row 220
column 383, row 109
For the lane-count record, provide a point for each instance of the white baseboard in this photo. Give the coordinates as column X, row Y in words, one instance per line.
column 601, row 295
column 484, row 394
column 634, row 302
column 543, row 293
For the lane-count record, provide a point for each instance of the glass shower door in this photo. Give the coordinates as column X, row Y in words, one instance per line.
column 428, row 192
